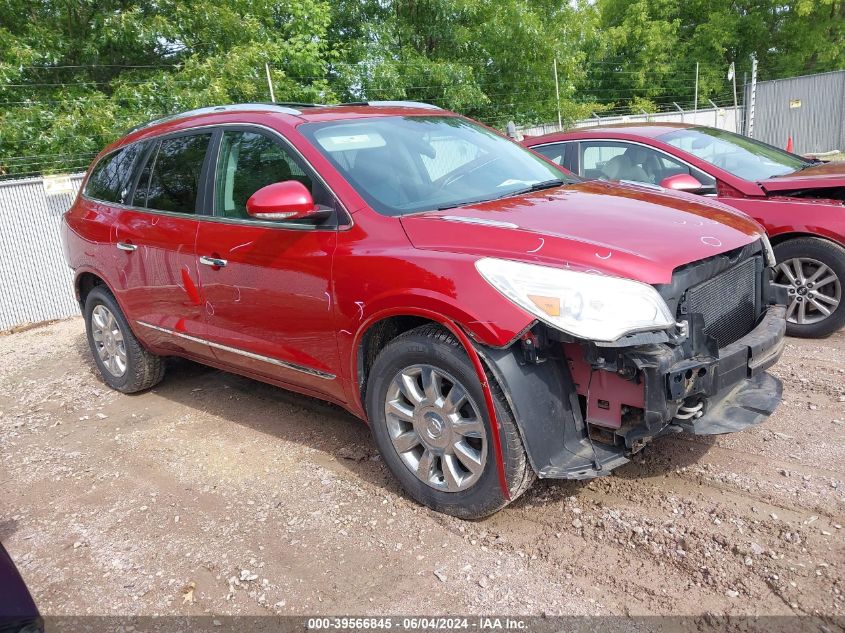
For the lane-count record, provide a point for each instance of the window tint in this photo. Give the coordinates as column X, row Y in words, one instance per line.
column 249, row 161
column 553, row 152
column 112, row 177
column 171, row 178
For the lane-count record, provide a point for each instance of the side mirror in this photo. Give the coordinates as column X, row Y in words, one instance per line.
column 287, row 200
column 681, row 182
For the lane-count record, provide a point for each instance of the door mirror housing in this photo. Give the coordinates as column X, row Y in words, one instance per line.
column 286, row 200
column 682, row 182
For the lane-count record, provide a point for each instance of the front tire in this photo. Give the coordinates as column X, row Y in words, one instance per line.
column 123, row 362
column 813, row 271
column 427, row 414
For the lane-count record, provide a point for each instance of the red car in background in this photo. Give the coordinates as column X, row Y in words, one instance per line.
column 800, row 202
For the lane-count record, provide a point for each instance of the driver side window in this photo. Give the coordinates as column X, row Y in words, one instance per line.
column 248, row 161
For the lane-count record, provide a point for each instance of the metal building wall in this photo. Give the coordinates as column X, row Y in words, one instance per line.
column 35, row 282
column 811, row 109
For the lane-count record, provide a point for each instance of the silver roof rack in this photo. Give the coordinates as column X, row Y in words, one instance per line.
column 403, row 104
column 221, row 108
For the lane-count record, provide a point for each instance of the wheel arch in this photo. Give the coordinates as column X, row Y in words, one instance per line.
column 85, row 282
column 377, row 332
column 786, row 236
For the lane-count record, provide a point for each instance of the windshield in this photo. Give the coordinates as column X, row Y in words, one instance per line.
column 739, row 155
column 403, row 165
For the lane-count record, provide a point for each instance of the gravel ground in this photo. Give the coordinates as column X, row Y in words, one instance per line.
column 215, row 494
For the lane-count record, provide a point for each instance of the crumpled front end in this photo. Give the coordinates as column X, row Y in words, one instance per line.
column 584, row 408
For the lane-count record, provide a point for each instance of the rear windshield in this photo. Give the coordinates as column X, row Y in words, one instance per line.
column 403, row 165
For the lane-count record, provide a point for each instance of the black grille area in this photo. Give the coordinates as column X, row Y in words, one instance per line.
column 727, row 302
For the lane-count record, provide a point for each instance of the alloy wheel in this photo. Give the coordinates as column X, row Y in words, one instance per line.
column 108, row 340
column 814, row 289
column 436, row 428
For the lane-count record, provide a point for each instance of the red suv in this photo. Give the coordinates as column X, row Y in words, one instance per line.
column 491, row 318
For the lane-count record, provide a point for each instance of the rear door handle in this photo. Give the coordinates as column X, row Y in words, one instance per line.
column 215, row 262
column 126, row 246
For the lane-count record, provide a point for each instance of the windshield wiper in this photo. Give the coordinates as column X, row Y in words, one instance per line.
column 537, row 186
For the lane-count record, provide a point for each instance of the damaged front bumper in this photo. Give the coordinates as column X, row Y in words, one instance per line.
column 586, row 413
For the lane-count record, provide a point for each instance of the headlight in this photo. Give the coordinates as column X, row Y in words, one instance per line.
column 769, row 251
column 586, row 305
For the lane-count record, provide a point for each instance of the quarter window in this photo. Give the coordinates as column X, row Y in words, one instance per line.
column 170, row 180
column 553, row 152
column 111, row 179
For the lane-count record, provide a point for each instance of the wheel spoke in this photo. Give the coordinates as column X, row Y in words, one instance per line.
column 827, row 299
column 791, row 310
column 468, row 427
column 406, row 441
column 784, row 268
column 819, row 272
column 802, row 312
column 798, row 269
column 827, row 280
column 451, row 473
column 97, row 335
column 398, row 410
column 432, row 383
column 818, row 306
column 455, row 400
column 425, row 464
column 468, row 456
column 410, row 389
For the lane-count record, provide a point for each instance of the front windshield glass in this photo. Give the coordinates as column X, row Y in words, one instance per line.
column 739, row 155
column 407, row 164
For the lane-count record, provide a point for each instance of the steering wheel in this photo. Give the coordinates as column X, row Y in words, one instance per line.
column 466, row 170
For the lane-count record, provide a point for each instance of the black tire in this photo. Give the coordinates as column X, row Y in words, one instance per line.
column 434, row 346
column 143, row 369
column 831, row 255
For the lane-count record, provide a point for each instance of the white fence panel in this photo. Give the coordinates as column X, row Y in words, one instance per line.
column 729, row 119
column 35, row 281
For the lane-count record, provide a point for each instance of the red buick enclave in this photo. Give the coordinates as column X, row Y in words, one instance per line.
column 492, row 319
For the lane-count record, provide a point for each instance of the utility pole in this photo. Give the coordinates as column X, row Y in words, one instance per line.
column 732, row 76
column 270, row 83
column 753, row 98
column 695, row 106
column 557, row 96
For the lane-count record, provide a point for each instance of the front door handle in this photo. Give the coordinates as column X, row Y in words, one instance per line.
column 214, row 262
column 126, row 246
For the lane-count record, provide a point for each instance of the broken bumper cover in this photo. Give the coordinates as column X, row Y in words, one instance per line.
column 730, row 385
column 747, row 394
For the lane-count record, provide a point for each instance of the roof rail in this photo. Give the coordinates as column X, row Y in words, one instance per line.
column 276, row 107
column 394, row 104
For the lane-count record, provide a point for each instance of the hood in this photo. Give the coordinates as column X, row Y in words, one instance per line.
column 821, row 176
column 626, row 231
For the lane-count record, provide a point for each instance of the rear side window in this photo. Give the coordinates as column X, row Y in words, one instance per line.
column 553, row 152
column 171, row 178
column 111, row 179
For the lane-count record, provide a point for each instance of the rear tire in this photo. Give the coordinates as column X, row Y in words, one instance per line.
column 433, row 470
column 123, row 362
column 807, row 255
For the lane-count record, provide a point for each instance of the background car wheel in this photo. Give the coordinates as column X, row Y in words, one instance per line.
column 123, row 363
column 813, row 271
column 428, row 416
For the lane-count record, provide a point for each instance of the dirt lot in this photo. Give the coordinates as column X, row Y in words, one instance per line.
column 216, row 494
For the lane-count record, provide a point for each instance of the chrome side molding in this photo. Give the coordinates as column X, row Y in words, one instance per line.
column 265, row 359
